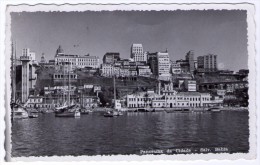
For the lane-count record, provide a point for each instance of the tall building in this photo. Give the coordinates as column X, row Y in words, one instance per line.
column 190, row 60
column 152, row 61
column 137, row 53
column 163, row 65
column 77, row 61
column 25, row 59
column 207, row 63
column 111, row 57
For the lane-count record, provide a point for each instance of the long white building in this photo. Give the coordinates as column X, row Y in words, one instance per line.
column 77, row 61
column 182, row 99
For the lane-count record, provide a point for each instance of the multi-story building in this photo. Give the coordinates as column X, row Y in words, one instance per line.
column 111, row 57
column 207, row 63
column 152, row 61
column 163, row 65
column 107, row 70
column 190, row 85
column 190, row 60
column 137, row 53
column 144, row 71
column 182, row 99
column 77, row 61
column 176, row 68
column 141, row 99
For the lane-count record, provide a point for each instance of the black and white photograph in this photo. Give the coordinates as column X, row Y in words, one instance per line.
column 130, row 82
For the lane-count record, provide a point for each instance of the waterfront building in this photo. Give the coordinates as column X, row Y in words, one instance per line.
column 141, row 99
column 163, row 65
column 34, row 101
column 207, row 63
column 181, row 99
column 89, row 101
column 111, row 57
column 77, row 61
column 137, row 53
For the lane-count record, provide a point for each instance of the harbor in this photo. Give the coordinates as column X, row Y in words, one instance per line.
column 86, row 95
column 94, row 134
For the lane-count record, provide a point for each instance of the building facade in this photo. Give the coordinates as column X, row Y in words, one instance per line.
column 207, row 63
column 111, row 57
column 29, row 76
column 77, row 61
column 163, row 65
column 137, row 53
column 190, row 59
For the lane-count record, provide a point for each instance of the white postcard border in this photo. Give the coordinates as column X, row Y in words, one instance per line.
column 95, row 7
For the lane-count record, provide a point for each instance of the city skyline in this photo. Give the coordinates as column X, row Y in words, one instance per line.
column 221, row 33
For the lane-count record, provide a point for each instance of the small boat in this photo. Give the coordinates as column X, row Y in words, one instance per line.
column 33, row 115
column 109, row 114
column 113, row 113
column 68, row 114
column 215, row 109
column 182, row 110
column 19, row 112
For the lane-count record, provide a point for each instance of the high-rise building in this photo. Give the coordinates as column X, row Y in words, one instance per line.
column 152, row 61
column 163, row 65
column 190, row 60
column 137, row 53
column 207, row 63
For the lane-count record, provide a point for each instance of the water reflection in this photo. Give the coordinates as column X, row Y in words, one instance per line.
column 93, row 134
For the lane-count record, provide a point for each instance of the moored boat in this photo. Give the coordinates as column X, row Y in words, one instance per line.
column 33, row 115
column 19, row 112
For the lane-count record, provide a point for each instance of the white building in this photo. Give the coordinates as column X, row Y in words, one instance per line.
column 137, row 53
column 141, row 99
column 76, row 61
column 107, row 70
column 163, row 65
column 182, row 99
column 190, row 85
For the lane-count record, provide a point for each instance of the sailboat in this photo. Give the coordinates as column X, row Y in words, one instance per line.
column 67, row 109
column 116, row 110
column 17, row 110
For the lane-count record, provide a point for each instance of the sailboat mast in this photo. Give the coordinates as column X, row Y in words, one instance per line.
column 12, row 52
column 69, row 84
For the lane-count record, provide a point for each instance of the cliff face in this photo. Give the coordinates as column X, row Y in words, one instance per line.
column 123, row 85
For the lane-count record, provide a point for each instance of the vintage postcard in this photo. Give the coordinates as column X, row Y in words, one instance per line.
column 130, row 82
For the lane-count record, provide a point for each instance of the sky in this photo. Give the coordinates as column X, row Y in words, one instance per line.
column 222, row 32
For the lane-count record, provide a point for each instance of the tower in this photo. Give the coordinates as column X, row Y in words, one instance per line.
column 190, row 59
column 25, row 59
